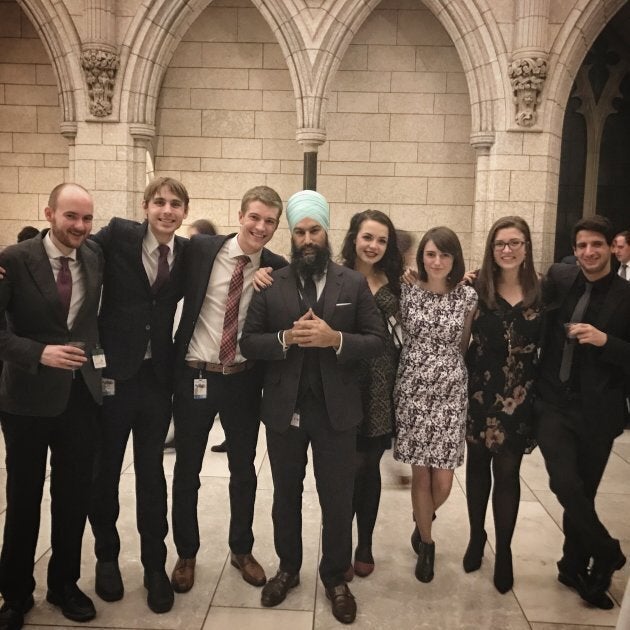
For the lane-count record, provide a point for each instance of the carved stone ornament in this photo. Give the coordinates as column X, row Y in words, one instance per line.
column 100, row 68
column 528, row 78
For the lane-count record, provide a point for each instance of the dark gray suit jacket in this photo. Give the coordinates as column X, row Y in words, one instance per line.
column 34, row 319
column 349, row 307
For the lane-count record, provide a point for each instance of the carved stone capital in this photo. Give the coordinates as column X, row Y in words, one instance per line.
column 527, row 76
column 100, row 67
column 310, row 138
column 481, row 141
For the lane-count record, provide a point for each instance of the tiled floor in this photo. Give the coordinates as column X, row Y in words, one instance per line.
column 391, row 597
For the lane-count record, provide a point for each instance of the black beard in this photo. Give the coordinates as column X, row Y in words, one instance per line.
column 312, row 264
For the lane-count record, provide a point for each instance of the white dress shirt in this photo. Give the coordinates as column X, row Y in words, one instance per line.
column 78, row 277
column 624, row 271
column 206, row 339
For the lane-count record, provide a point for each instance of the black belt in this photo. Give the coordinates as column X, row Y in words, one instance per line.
column 219, row 368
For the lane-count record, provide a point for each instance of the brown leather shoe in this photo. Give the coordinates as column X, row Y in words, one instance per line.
column 344, row 608
column 183, row 576
column 251, row 571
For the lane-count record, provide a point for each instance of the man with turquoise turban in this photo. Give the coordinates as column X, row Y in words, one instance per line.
column 312, row 326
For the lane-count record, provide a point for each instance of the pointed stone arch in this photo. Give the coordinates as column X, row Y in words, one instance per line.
column 61, row 40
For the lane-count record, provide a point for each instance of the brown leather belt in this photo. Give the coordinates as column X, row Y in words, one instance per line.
column 218, row 368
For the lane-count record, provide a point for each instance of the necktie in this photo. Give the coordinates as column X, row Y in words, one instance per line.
column 310, row 292
column 227, row 350
column 163, row 270
column 624, row 271
column 64, row 284
column 569, row 344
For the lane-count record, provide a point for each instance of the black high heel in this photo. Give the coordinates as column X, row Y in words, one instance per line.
column 474, row 553
column 503, row 573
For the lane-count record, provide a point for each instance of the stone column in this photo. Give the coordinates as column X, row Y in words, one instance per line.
column 528, row 68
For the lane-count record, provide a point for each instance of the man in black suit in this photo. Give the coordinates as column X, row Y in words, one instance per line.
column 213, row 377
column 141, row 287
column 49, row 395
column 586, row 355
column 312, row 326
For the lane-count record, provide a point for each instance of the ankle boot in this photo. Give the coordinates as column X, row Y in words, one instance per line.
column 503, row 574
column 474, row 552
column 426, row 559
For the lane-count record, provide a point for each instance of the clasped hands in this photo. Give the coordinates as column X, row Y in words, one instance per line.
column 311, row 331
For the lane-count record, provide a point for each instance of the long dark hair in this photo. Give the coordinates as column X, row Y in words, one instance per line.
column 447, row 242
column 391, row 264
column 489, row 272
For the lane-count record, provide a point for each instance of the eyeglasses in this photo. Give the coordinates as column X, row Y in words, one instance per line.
column 513, row 244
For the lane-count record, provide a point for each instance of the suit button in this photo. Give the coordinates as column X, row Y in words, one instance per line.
column 147, row 327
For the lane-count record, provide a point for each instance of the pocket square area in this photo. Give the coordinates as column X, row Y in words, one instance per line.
column 344, row 304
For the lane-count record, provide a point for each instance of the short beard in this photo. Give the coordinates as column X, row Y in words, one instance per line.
column 309, row 265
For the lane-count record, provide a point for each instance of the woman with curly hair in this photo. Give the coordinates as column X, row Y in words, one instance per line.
column 370, row 247
column 501, row 364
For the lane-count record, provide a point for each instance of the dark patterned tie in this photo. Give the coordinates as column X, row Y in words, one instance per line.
column 310, row 292
column 227, row 351
column 624, row 271
column 569, row 344
column 163, row 270
column 64, row 284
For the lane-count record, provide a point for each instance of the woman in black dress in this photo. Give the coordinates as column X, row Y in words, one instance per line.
column 370, row 247
column 501, row 363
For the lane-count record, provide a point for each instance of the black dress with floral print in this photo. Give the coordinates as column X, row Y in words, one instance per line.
column 501, row 362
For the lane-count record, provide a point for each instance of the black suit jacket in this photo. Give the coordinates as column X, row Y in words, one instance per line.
column 349, row 307
column 31, row 317
column 131, row 315
column 198, row 263
column 604, row 372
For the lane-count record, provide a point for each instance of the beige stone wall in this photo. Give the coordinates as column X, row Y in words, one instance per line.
column 33, row 154
column 398, row 122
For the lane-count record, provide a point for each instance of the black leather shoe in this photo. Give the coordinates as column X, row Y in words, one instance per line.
column 12, row 613
column 74, row 603
column 577, row 581
column 601, row 574
column 474, row 553
column 276, row 589
column 109, row 585
column 344, row 607
column 219, row 448
column 160, row 595
column 426, row 560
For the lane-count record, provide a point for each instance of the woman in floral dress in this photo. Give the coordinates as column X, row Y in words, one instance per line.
column 370, row 246
column 431, row 387
column 501, row 363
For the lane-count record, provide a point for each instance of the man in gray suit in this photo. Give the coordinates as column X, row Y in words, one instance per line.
column 312, row 326
column 49, row 392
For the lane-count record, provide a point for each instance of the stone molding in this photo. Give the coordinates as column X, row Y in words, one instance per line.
column 100, row 67
column 527, row 77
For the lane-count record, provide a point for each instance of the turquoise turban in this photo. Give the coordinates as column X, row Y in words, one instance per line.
column 308, row 204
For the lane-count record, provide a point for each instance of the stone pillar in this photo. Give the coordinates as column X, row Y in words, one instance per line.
column 310, row 139
column 99, row 56
column 528, row 68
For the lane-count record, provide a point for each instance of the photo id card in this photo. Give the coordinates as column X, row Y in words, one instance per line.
column 98, row 358
column 295, row 419
column 200, row 389
column 108, row 386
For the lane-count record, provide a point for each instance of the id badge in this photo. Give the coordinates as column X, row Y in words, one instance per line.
column 295, row 419
column 108, row 386
column 200, row 389
column 98, row 358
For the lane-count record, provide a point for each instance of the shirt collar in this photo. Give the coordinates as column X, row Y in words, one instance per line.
column 151, row 243
column 234, row 250
column 52, row 251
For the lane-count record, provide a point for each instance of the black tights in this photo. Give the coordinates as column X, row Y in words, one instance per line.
column 505, row 496
column 367, row 494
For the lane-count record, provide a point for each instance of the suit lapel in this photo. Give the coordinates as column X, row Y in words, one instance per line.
column 139, row 232
column 39, row 267
column 91, row 286
column 609, row 306
column 289, row 290
column 331, row 290
column 208, row 251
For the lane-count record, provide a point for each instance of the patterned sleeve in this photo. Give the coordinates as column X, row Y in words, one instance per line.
column 471, row 298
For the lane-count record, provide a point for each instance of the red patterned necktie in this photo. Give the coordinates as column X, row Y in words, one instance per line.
column 227, row 351
column 163, row 270
column 64, row 284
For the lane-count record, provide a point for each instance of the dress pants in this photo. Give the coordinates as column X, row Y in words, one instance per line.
column 333, row 461
column 71, row 437
column 236, row 397
column 575, row 457
column 142, row 406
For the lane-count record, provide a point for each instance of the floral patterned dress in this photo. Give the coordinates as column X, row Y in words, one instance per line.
column 431, row 387
column 501, row 364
